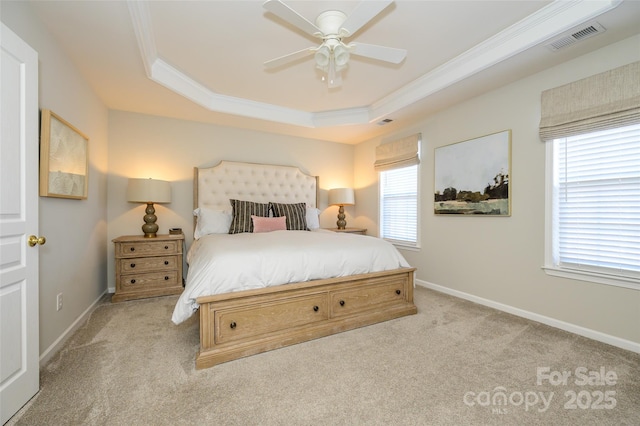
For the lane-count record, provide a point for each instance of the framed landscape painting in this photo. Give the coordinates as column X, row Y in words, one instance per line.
column 472, row 177
column 64, row 158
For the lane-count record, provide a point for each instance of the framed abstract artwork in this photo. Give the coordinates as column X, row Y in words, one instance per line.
column 64, row 158
column 472, row 177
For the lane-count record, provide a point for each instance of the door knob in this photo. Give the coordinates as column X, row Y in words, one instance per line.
column 33, row 240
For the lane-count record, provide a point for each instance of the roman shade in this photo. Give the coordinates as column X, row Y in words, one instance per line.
column 603, row 101
column 397, row 154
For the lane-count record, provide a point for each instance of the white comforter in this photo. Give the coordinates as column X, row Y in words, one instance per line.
column 222, row 263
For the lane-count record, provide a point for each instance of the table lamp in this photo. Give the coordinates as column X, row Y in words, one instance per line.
column 149, row 191
column 341, row 197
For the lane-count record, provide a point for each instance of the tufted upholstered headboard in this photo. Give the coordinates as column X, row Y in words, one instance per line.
column 213, row 187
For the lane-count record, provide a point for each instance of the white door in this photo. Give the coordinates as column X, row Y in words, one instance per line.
column 19, row 352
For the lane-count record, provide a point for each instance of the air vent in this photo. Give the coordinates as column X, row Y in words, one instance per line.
column 383, row 122
column 576, row 36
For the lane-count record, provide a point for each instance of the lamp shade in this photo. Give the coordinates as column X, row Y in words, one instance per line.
column 341, row 197
column 148, row 191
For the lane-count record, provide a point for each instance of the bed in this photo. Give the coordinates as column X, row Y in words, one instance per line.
column 257, row 291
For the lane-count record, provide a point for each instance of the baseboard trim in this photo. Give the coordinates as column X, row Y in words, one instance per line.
column 572, row 328
column 55, row 346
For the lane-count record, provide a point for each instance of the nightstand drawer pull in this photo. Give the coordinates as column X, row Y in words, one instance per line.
column 398, row 292
column 166, row 278
column 316, row 308
column 342, row 303
column 133, row 265
column 133, row 281
column 132, row 249
column 166, row 247
column 233, row 324
column 166, row 262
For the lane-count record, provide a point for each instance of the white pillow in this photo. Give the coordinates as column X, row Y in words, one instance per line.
column 313, row 220
column 211, row 222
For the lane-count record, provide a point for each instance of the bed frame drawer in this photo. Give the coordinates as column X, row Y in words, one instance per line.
column 241, row 323
column 373, row 296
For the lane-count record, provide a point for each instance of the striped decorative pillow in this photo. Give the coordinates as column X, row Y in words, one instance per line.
column 242, row 211
column 296, row 215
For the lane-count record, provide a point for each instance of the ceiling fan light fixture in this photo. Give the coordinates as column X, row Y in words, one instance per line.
column 332, row 26
column 322, row 57
column 341, row 55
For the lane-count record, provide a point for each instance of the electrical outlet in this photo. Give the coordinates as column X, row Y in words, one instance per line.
column 59, row 302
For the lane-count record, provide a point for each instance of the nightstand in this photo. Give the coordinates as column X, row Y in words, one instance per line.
column 360, row 231
column 148, row 267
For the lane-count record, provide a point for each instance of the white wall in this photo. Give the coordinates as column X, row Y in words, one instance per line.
column 499, row 259
column 73, row 261
column 142, row 146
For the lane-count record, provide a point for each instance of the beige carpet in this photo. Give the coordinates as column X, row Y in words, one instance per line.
column 451, row 364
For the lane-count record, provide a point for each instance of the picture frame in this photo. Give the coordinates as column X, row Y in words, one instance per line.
column 473, row 177
column 64, row 158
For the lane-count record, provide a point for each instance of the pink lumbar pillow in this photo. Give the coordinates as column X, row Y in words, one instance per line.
column 268, row 224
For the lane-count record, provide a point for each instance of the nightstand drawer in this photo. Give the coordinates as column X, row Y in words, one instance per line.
column 144, row 264
column 151, row 248
column 148, row 281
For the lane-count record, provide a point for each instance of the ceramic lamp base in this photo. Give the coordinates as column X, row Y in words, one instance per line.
column 341, row 222
column 150, row 228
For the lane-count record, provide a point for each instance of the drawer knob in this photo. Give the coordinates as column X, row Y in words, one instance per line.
column 233, row 324
column 166, row 247
column 133, row 265
column 166, row 262
column 166, row 278
column 133, row 281
column 316, row 308
column 398, row 292
column 342, row 303
column 132, row 249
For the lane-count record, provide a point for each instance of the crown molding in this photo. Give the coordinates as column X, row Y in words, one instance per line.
column 168, row 76
column 535, row 29
column 141, row 21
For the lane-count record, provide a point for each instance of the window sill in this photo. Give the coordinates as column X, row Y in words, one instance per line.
column 594, row 277
column 400, row 246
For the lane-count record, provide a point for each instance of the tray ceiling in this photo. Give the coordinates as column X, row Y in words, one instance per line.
column 203, row 60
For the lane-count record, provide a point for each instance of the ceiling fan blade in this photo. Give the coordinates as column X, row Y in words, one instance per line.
column 283, row 60
column 363, row 13
column 381, row 53
column 291, row 16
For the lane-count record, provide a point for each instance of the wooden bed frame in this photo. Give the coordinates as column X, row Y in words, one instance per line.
column 243, row 323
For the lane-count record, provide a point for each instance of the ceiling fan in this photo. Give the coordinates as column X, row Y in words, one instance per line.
column 332, row 27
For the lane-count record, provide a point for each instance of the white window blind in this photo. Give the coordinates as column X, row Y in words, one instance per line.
column 596, row 202
column 399, row 205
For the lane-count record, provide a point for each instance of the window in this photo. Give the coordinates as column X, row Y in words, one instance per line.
column 398, row 163
column 594, row 190
column 399, row 205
